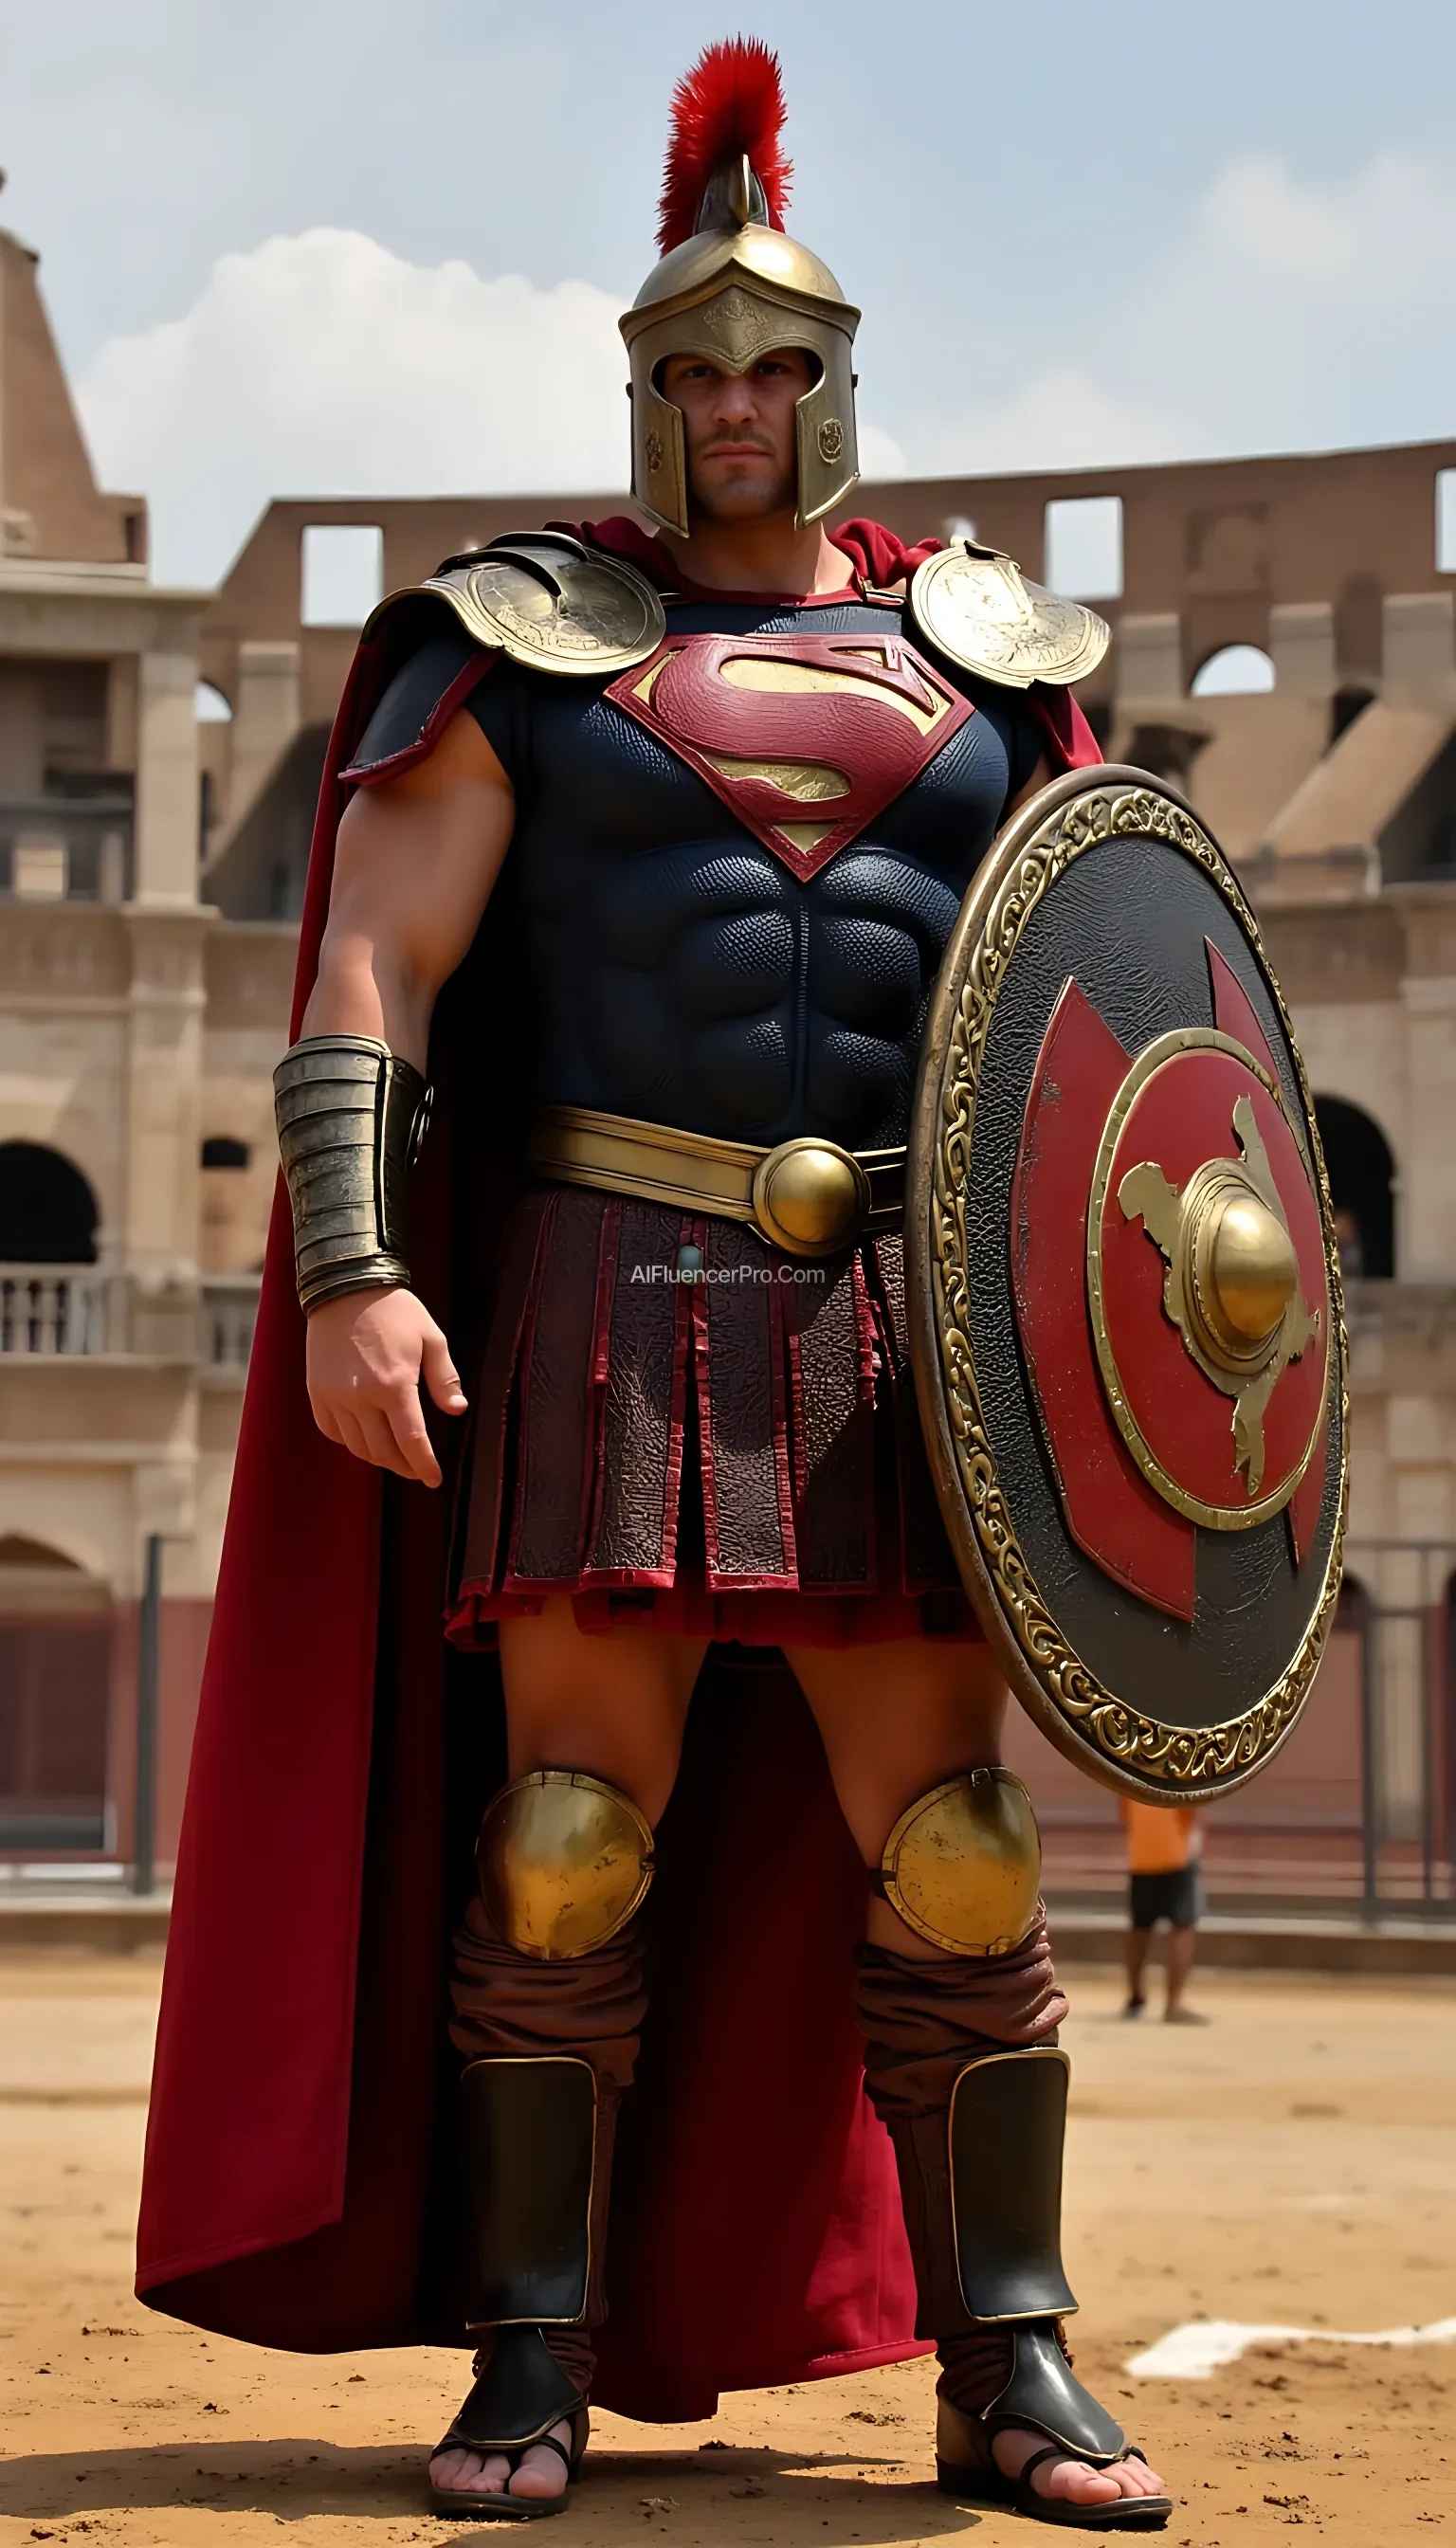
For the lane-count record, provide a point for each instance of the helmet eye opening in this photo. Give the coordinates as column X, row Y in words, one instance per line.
column 813, row 362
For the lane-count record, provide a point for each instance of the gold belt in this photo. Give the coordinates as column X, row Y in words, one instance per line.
column 808, row 1197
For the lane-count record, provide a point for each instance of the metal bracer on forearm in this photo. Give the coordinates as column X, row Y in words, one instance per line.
column 351, row 1117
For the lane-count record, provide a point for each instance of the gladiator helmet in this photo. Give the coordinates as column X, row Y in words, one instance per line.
column 732, row 286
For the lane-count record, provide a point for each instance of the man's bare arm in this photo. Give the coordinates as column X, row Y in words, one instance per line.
column 415, row 863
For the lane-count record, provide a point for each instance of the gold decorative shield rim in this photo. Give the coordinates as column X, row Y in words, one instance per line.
column 1130, row 1750
column 1191, row 1506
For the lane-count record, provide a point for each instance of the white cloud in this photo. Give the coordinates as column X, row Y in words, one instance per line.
column 1311, row 313
column 1062, row 417
column 325, row 365
column 1282, row 314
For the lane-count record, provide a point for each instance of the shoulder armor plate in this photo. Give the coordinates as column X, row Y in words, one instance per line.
column 548, row 602
column 978, row 607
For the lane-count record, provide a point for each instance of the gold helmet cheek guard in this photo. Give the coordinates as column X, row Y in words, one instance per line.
column 731, row 298
column 962, row 1865
column 563, row 1861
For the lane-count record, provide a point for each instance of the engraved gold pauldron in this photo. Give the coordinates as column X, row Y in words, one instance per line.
column 548, row 602
column 982, row 612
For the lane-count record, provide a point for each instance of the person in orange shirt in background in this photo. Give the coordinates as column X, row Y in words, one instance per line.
column 1165, row 1883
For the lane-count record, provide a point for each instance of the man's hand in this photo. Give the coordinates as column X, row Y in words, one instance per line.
column 367, row 1355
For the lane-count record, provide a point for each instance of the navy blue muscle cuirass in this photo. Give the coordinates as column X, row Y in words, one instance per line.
column 677, row 967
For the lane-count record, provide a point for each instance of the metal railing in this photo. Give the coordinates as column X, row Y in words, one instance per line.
column 229, row 1310
column 1357, row 1810
column 51, row 1309
column 62, row 1309
column 1403, row 1589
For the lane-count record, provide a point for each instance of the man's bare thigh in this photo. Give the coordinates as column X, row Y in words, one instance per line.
column 613, row 1705
column 894, row 1721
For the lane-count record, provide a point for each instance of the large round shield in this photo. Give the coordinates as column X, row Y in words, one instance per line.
column 1126, row 1312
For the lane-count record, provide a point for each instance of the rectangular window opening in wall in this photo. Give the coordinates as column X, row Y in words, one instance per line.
column 38, row 870
column 342, row 573
column 1446, row 522
column 1083, row 549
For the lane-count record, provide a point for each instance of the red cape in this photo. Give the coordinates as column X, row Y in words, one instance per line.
column 292, row 2192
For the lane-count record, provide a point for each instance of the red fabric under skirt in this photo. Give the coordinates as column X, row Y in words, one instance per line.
column 737, row 1457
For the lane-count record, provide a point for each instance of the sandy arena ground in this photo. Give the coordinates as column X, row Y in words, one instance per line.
column 1293, row 2163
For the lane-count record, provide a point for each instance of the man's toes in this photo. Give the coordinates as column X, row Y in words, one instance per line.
column 1134, row 2478
column 1073, row 2482
column 1138, row 2478
column 462, row 2472
column 541, row 2475
column 1070, row 2480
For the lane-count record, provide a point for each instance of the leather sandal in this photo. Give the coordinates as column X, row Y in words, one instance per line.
column 966, row 2469
column 490, row 2422
column 475, row 2505
column 468, row 2505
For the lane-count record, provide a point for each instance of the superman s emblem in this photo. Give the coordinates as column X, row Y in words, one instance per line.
column 804, row 737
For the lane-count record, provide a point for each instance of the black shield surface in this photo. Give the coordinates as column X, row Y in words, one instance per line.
column 1106, row 881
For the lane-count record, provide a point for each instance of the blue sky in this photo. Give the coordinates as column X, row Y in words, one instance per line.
column 314, row 246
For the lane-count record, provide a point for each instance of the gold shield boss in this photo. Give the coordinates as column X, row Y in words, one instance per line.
column 733, row 292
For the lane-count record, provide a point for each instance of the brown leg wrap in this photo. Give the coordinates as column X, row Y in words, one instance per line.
column 505, row 2003
column 923, row 2018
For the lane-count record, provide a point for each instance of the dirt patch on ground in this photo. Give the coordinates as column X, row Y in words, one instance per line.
column 1293, row 2163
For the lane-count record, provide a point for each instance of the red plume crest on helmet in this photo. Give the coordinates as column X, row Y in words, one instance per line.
column 730, row 105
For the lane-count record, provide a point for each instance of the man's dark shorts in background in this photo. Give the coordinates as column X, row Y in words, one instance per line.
column 1176, row 1896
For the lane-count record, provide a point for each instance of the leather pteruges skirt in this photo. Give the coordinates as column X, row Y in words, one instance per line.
column 677, row 1427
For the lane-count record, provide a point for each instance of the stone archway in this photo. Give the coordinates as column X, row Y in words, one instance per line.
column 1233, row 671
column 1361, row 1171
column 48, row 1211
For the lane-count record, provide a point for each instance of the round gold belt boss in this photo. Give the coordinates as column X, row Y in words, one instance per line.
column 810, row 1196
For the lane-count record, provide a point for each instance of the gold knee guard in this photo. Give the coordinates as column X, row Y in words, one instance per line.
column 962, row 1866
column 564, row 1861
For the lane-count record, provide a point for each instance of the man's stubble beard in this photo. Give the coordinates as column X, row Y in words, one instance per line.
column 744, row 502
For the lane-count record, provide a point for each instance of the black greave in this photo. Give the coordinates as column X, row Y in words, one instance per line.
column 535, row 2147
column 1004, row 2131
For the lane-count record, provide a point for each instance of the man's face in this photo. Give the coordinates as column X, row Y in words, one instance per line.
column 741, row 459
